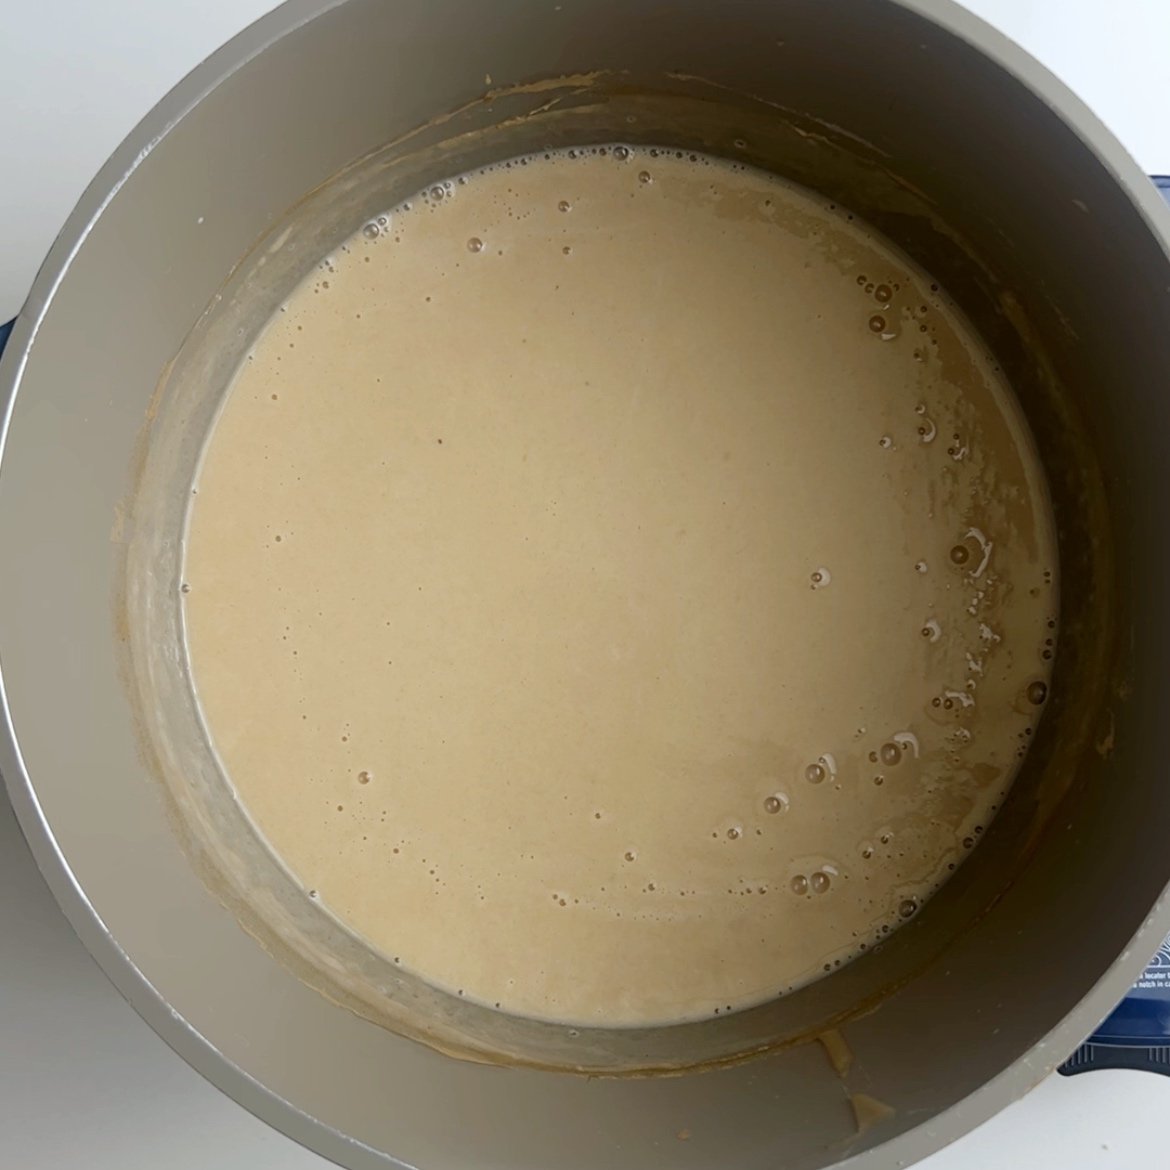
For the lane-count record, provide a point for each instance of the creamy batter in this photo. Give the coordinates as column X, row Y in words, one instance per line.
column 619, row 587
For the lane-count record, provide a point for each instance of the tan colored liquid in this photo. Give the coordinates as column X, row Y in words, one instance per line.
column 616, row 587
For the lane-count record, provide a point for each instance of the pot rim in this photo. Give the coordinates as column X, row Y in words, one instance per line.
column 119, row 966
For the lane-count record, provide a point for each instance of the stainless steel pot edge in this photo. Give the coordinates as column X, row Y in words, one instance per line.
column 119, row 966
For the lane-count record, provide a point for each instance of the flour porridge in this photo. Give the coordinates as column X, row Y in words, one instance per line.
column 619, row 586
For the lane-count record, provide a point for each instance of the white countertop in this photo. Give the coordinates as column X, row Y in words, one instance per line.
column 83, row 1081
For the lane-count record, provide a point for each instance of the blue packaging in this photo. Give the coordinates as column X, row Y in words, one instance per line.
column 1137, row 1033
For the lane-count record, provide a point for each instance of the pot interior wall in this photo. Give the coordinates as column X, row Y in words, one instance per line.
column 956, row 161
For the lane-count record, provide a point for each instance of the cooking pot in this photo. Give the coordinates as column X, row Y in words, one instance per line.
column 912, row 114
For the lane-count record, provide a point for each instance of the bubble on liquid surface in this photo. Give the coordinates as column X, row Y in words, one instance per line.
column 908, row 907
column 890, row 753
column 931, row 630
column 799, row 885
column 960, row 554
column 820, row 882
column 371, row 231
column 921, row 567
column 952, row 699
column 985, row 549
column 883, row 294
column 820, row 577
column 877, row 323
column 1037, row 692
column 776, row 803
column 363, row 777
column 886, row 443
column 907, row 741
column 475, row 244
column 815, row 773
column 564, row 205
column 644, row 177
column 621, row 153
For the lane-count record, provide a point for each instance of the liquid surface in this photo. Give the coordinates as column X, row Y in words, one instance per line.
column 619, row 587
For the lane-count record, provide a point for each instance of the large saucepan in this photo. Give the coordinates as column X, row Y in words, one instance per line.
column 910, row 112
